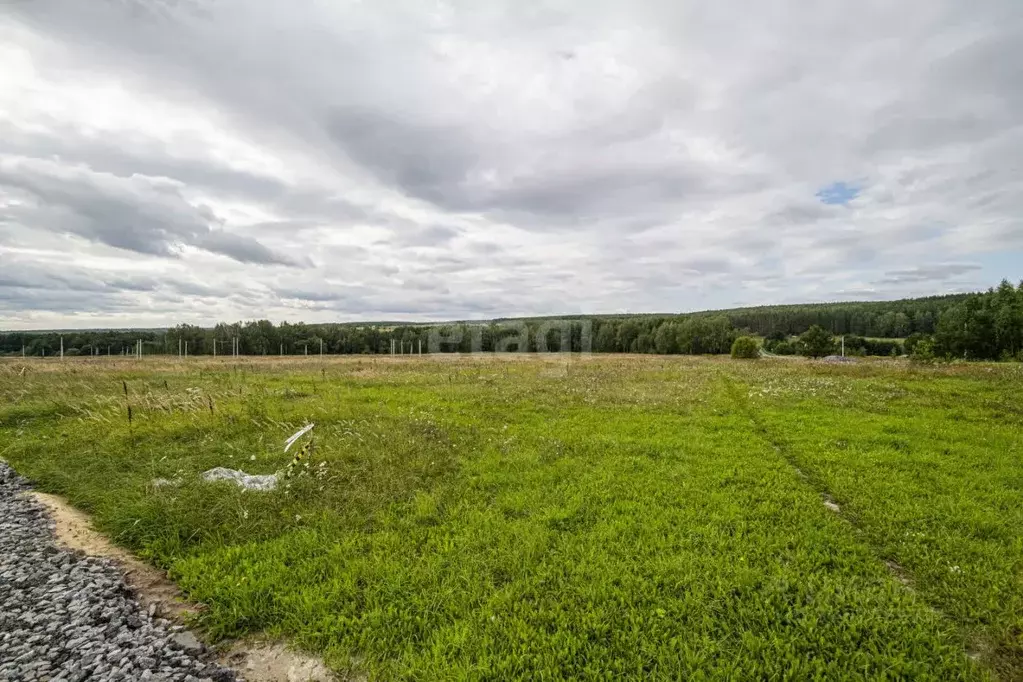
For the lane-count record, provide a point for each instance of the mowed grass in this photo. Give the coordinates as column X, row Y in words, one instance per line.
column 526, row 518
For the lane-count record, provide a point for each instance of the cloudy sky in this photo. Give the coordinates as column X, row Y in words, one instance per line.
column 167, row 161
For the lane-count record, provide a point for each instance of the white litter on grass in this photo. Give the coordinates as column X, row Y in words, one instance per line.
column 244, row 480
column 298, row 434
column 253, row 481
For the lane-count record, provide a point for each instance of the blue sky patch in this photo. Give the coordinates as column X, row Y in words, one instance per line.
column 840, row 193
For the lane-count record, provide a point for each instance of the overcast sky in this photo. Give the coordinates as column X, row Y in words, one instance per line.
column 166, row 161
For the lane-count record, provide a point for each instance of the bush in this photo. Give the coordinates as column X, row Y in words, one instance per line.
column 923, row 352
column 745, row 348
column 817, row 342
column 883, row 347
column 912, row 340
column 784, row 348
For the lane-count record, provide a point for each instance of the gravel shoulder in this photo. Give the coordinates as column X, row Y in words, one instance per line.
column 75, row 606
column 66, row 616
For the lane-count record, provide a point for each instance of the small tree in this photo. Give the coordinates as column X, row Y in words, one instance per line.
column 745, row 348
column 923, row 352
column 912, row 340
column 784, row 348
column 773, row 339
column 817, row 342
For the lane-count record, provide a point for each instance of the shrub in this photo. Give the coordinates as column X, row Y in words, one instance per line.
column 745, row 348
column 912, row 340
column 817, row 342
column 784, row 348
column 883, row 347
column 923, row 352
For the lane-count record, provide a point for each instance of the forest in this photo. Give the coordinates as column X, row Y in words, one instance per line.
column 984, row 326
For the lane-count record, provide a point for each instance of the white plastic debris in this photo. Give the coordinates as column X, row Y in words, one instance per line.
column 247, row 481
column 298, row 434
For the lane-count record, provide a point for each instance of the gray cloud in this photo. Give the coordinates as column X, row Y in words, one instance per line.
column 243, row 249
column 653, row 156
column 145, row 215
column 929, row 273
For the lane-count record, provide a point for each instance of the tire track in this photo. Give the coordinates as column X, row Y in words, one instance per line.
column 973, row 649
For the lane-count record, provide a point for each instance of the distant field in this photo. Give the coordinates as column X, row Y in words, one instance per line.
column 520, row 518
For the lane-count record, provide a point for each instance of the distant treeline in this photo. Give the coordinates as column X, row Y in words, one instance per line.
column 986, row 325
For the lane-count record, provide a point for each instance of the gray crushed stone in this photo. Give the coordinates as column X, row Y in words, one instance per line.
column 65, row 617
column 839, row 359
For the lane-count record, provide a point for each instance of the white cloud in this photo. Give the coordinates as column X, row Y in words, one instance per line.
column 459, row 159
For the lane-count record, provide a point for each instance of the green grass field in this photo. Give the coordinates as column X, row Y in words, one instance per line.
column 521, row 518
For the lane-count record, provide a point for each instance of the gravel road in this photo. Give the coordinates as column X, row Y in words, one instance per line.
column 66, row 617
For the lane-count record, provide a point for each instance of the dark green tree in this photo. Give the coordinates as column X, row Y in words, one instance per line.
column 745, row 348
column 817, row 342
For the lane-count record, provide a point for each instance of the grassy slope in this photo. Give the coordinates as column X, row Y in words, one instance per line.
column 502, row 519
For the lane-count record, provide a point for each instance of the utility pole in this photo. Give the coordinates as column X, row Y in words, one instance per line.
column 62, row 347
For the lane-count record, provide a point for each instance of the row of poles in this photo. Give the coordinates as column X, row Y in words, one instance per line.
column 411, row 348
column 135, row 352
column 235, row 348
column 137, row 349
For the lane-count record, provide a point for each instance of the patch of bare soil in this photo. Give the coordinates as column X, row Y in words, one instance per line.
column 154, row 590
column 255, row 660
column 831, row 504
column 265, row 661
